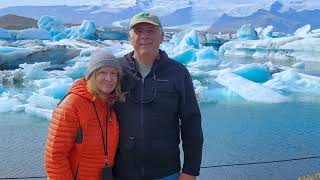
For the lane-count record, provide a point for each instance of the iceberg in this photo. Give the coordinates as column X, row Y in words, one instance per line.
column 206, row 53
column 51, row 24
column 267, row 32
column 291, row 81
column 33, row 33
column 12, row 57
column 247, row 32
column 303, row 31
column 249, row 90
column 254, row 72
column 87, row 29
column 294, row 48
column 4, row 34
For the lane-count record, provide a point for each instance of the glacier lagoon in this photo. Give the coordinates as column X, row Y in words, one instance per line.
column 261, row 107
column 235, row 131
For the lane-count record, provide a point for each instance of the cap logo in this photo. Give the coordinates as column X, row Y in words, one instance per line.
column 143, row 15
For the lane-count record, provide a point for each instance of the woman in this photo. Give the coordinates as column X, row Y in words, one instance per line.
column 77, row 147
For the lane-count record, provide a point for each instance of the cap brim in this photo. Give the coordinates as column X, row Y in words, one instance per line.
column 138, row 22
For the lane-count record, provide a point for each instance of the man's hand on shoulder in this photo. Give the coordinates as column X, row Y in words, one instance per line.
column 184, row 176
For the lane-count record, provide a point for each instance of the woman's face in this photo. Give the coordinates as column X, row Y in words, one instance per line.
column 106, row 80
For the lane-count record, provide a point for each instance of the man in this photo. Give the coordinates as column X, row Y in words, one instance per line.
column 160, row 108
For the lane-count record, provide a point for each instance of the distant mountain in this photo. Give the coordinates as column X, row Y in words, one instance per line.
column 287, row 21
column 178, row 13
column 17, row 22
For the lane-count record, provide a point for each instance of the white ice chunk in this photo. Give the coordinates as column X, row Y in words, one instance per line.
column 39, row 112
column 77, row 70
column 33, row 33
column 299, row 65
column 267, row 32
column 56, row 90
column 294, row 47
column 303, row 31
column 249, row 90
column 291, row 80
column 41, row 101
column 8, row 105
column 35, row 71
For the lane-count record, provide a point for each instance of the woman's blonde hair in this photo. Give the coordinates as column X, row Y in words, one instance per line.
column 120, row 96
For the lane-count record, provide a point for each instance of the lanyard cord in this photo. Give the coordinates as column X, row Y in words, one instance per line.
column 102, row 135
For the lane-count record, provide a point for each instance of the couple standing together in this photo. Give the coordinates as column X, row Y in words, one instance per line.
column 126, row 116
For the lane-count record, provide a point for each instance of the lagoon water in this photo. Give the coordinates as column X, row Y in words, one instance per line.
column 234, row 133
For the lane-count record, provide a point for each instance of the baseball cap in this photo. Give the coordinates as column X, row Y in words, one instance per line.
column 145, row 17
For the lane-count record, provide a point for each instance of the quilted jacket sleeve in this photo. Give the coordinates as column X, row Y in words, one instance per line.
column 61, row 138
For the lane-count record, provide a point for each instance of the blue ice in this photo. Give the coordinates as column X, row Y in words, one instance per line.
column 33, row 33
column 207, row 53
column 254, row 72
column 250, row 90
column 4, row 34
column 247, row 32
column 1, row 88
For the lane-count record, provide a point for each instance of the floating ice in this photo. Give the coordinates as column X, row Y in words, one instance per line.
column 4, row 34
column 41, row 101
column 291, row 81
column 51, row 24
column 185, row 56
column 56, row 88
column 33, row 33
column 8, row 105
column 303, row 31
column 1, row 88
column 55, row 27
column 189, row 40
column 206, row 53
column 35, row 71
column 249, row 90
column 77, row 70
column 39, row 112
column 299, row 65
column 254, row 72
column 247, row 32
column 294, row 47
column 267, row 32
column 11, row 57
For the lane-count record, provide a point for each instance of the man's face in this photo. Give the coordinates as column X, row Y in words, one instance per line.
column 146, row 38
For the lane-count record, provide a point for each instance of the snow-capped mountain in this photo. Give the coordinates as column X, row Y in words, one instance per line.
column 195, row 13
column 282, row 20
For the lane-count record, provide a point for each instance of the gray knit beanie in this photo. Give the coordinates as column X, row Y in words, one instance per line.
column 99, row 59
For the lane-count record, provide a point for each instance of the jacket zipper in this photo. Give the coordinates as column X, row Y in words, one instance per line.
column 141, row 125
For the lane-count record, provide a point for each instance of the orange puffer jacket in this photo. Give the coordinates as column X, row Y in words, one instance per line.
column 63, row 155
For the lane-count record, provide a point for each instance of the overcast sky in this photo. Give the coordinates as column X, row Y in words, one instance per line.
column 228, row 3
